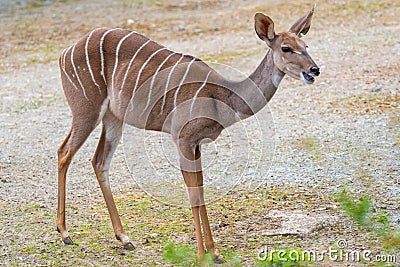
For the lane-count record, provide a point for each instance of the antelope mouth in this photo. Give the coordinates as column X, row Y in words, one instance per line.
column 307, row 78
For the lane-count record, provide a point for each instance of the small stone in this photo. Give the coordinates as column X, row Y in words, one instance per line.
column 376, row 89
column 214, row 226
column 130, row 22
column 153, row 235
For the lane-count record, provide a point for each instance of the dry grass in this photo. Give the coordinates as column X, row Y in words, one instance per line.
column 373, row 103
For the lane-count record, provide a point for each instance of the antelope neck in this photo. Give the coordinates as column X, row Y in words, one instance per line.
column 253, row 93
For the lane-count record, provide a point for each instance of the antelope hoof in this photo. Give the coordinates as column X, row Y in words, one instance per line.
column 68, row 241
column 124, row 239
column 129, row 246
column 219, row 259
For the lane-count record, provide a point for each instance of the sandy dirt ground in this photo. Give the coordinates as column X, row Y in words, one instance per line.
column 341, row 133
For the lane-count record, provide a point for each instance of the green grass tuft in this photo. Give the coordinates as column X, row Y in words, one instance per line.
column 357, row 210
column 140, row 3
column 37, row 4
column 231, row 258
column 185, row 255
column 180, row 255
column 376, row 223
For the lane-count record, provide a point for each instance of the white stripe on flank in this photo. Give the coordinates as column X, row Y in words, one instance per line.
column 62, row 61
column 130, row 64
column 88, row 62
column 141, row 69
column 116, row 59
column 102, row 55
column 197, row 93
column 167, row 83
column 153, row 79
column 76, row 73
column 144, row 65
column 181, row 82
column 63, row 67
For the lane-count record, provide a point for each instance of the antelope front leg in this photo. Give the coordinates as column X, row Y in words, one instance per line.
column 194, row 198
column 194, row 183
column 210, row 245
column 198, row 195
column 193, row 177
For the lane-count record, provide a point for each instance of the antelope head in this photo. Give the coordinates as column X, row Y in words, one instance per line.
column 288, row 49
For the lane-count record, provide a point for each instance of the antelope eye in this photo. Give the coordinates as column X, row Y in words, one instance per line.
column 286, row 49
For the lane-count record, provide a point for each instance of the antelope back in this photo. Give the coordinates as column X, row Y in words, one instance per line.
column 126, row 67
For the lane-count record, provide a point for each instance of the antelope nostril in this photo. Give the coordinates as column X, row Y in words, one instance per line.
column 315, row 70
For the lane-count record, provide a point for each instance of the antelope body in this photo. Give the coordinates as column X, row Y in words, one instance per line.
column 116, row 76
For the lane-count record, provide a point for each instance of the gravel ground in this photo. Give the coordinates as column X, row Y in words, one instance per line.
column 341, row 132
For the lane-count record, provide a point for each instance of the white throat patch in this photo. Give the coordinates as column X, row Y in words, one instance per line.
column 276, row 79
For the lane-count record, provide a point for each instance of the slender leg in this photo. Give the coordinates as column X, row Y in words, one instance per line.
column 109, row 139
column 197, row 227
column 194, row 183
column 64, row 159
column 210, row 245
column 209, row 242
column 71, row 144
column 191, row 183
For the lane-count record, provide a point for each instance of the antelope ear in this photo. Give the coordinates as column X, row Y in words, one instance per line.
column 264, row 27
column 302, row 26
